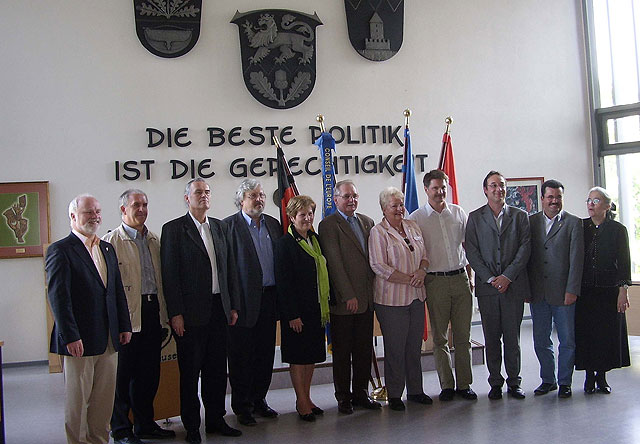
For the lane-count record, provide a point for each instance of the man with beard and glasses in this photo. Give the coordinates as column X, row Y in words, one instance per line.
column 91, row 321
column 555, row 274
column 252, row 340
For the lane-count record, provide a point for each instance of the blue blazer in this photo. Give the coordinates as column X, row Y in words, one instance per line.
column 83, row 307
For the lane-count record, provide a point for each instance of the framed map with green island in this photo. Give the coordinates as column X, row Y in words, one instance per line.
column 24, row 219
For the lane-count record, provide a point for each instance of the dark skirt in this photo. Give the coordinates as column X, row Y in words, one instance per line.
column 306, row 347
column 601, row 332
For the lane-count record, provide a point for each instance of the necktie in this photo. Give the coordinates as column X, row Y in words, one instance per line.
column 355, row 226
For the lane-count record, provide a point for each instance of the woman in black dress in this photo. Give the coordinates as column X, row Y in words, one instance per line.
column 303, row 297
column 601, row 328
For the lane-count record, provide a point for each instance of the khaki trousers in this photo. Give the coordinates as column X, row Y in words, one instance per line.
column 90, row 384
column 449, row 299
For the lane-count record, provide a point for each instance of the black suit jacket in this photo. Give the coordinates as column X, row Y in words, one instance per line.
column 248, row 265
column 186, row 270
column 83, row 308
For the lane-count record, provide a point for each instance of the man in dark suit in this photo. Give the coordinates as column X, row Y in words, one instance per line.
column 91, row 321
column 200, row 288
column 252, row 340
column 343, row 237
column 497, row 242
column 555, row 274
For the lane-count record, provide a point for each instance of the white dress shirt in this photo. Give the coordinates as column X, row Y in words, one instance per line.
column 205, row 233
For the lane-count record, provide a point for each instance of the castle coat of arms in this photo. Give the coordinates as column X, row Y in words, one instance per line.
column 168, row 28
column 375, row 27
column 278, row 50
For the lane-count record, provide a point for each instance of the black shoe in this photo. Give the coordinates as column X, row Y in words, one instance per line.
column 590, row 383
column 308, row 417
column 193, row 437
column 317, row 411
column 545, row 388
column 447, row 395
column 156, row 432
column 564, row 391
column 495, row 392
column 420, row 398
column 366, row 403
column 396, row 404
column 601, row 383
column 261, row 408
column 246, row 419
column 128, row 440
column 222, row 428
column 345, row 407
column 516, row 392
column 467, row 394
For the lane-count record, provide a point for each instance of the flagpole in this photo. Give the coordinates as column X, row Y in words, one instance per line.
column 406, row 113
column 443, row 151
column 320, row 119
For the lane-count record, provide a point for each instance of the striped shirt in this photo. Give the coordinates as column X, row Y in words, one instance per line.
column 388, row 252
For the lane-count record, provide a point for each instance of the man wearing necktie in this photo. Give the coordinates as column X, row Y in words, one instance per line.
column 91, row 321
column 343, row 237
column 555, row 273
column 201, row 290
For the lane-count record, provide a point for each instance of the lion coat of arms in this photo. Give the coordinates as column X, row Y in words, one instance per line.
column 278, row 55
column 168, row 28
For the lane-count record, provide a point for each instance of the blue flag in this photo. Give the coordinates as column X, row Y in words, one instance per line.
column 327, row 145
column 409, row 186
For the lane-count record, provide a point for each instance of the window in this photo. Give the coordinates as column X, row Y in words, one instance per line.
column 613, row 43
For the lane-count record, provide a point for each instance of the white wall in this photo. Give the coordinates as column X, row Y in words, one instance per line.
column 78, row 89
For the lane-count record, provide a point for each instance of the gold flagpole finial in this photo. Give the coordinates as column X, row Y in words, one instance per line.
column 448, row 121
column 320, row 119
column 406, row 113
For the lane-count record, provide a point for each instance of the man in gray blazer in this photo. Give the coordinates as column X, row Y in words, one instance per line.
column 343, row 237
column 252, row 340
column 497, row 241
column 555, row 271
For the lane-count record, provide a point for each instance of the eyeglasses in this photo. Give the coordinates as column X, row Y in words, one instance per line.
column 595, row 201
column 350, row 196
column 254, row 196
column 406, row 240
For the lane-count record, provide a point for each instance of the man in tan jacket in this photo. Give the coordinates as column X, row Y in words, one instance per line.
column 138, row 252
column 343, row 238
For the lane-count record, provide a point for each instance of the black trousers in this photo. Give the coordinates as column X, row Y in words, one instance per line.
column 138, row 374
column 251, row 352
column 202, row 353
column 352, row 342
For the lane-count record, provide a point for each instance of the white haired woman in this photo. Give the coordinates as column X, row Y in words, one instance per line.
column 399, row 259
column 601, row 328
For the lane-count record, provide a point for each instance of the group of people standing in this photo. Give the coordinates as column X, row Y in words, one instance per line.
column 222, row 285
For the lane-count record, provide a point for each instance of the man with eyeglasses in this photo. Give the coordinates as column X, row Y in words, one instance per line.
column 555, row 273
column 252, row 340
column 344, row 236
column 201, row 290
column 449, row 296
column 498, row 245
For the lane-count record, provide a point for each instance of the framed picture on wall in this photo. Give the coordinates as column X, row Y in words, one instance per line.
column 24, row 220
column 525, row 193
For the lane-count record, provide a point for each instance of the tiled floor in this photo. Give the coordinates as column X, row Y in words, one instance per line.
column 34, row 413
